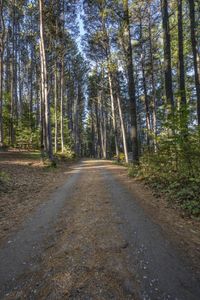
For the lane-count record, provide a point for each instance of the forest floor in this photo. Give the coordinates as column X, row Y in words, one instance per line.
column 87, row 231
column 24, row 184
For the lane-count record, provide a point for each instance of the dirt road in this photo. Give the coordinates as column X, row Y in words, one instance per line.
column 93, row 240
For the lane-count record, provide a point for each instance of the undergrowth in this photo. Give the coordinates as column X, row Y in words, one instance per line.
column 4, row 180
column 174, row 171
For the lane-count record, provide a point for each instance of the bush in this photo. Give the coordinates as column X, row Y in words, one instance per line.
column 174, row 169
column 119, row 158
column 68, row 154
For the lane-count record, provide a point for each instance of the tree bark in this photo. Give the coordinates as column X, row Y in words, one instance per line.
column 55, row 109
column 61, row 105
column 146, row 99
column 122, row 123
column 44, row 85
column 113, row 112
column 102, row 121
column 154, row 116
column 167, row 55
column 196, row 61
column 111, row 85
column 2, row 35
column 181, row 55
column 131, row 82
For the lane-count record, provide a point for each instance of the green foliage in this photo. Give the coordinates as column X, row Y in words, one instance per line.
column 25, row 135
column 192, row 207
column 119, row 158
column 68, row 154
column 174, row 169
column 50, row 164
column 4, row 177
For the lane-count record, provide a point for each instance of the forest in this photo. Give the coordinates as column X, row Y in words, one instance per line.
column 106, row 79
column 100, row 149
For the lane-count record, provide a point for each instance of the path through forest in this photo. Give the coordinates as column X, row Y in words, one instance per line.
column 93, row 240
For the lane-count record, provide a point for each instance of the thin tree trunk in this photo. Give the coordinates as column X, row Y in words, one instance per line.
column 131, row 82
column 31, row 89
column 113, row 113
column 13, row 77
column 167, row 55
column 122, row 127
column 146, row 100
column 61, row 104
column 12, row 102
column 111, row 89
column 154, row 117
column 55, row 109
column 196, row 61
column 2, row 35
column 102, row 121
column 181, row 55
column 45, row 86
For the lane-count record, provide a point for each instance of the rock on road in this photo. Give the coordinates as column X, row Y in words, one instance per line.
column 92, row 240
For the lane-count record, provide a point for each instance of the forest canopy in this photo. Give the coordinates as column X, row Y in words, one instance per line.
column 125, row 87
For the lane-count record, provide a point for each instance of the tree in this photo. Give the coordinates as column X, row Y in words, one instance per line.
column 44, row 86
column 196, row 62
column 167, row 55
column 2, row 36
column 181, row 55
column 131, row 82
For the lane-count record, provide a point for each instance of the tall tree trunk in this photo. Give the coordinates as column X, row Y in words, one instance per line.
column 154, row 117
column 61, row 104
column 146, row 99
column 102, row 126
column 44, row 85
column 196, row 61
column 13, row 83
column 122, row 123
column 167, row 55
column 55, row 109
column 31, row 89
column 111, row 86
column 113, row 112
column 131, row 81
column 12, row 138
column 181, row 54
column 2, row 35
column 98, row 132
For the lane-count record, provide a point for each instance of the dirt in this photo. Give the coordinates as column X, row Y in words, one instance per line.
column 101, row 236
column 26, row 185
column 183, row 231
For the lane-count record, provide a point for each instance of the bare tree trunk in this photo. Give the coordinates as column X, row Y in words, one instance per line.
column 31, row 89
column 196, row 61
column 131, row 81
column 146, row 100
column 61, row 104
column 102, row 121
column 167, row 55
column 122, row 127
column 12, row 102
column 13, row 83
column 55, row 109
column 42, row 131
column 154, row 117
column 2, row 35
column 181, row 55
column 113, row 113
column 44, row 83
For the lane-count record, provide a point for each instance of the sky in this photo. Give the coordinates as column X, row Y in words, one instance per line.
column 81, row 29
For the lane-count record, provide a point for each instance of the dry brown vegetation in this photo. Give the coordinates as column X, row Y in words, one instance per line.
column 25, row 183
